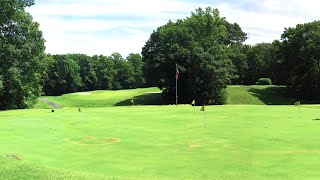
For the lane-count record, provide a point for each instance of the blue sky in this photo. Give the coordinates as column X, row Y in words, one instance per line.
column 107, row 26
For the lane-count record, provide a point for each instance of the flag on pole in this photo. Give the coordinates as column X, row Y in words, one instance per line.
column 177, row 72
column 193, row 102
column 202, row 108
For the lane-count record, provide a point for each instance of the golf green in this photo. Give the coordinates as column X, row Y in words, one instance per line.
column 161, row 142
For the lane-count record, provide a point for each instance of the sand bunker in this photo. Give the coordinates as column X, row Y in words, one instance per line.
column 83, row 93
column 152, row 92
column 92, row 140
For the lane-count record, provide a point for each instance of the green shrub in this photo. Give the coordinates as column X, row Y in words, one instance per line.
column 264, row 81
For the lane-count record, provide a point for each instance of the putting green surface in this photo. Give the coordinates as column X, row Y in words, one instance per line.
column 161, row 142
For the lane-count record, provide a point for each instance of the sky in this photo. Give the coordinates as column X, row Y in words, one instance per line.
column 106, row 26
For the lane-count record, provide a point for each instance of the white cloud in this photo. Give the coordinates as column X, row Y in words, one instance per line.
column 106, row 26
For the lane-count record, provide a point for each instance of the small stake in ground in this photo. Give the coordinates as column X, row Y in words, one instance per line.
column 204, row 116
column 298, row 104
column 80, row 111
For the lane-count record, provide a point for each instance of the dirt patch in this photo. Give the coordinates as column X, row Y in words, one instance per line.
column 83, row 93
column 13, row 156
column 16, row 157
column 92, row 140
column 152, row 92
column 80, row 143
column 111, row 140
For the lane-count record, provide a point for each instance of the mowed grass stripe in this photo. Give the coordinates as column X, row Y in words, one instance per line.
column 242, row 141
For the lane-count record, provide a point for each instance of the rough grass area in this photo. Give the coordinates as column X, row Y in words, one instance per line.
column 161, row 142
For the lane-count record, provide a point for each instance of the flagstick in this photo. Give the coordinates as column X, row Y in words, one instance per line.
column 204, row 119
column 176, row 87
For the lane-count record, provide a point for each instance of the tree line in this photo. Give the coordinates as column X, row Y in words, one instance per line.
column 209, row 51
column 79, row 72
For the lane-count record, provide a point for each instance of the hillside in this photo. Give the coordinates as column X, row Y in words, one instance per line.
column 105, row 98
column 256, row 95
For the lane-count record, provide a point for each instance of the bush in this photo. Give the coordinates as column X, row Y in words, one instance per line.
column 264, row 81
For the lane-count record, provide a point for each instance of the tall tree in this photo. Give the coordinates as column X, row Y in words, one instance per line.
column 87, row 72
column 259, row 59
column 21, row 56
column 301, row 53
column 199, row 45
column 105, row 72
column 124, row 77
column 136, row 61
column 238, row 55
column 63, row 76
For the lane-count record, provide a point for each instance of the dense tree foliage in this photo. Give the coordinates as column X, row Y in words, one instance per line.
column 199, row 46
column 79, row 72
column 301, row 56
column 259, row 61
column 21, row 56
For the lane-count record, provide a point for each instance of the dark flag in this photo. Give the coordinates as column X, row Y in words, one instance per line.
column 177, row 73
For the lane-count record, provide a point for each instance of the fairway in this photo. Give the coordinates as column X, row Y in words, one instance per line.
column 161, row 142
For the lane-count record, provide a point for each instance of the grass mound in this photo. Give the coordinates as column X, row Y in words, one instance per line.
column 258, row 95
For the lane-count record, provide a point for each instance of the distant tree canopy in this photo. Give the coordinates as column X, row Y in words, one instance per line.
column 199, row 45
column 78, row 72
column 21, row 56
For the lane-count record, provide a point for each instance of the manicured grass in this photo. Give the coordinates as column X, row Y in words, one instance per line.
column 258, row 94
column 107, row 98
column 161, row 142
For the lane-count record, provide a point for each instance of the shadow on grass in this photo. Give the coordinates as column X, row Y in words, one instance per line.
column 318, row 119
column 277, row 95
column 272, row 95
column 145, row 99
